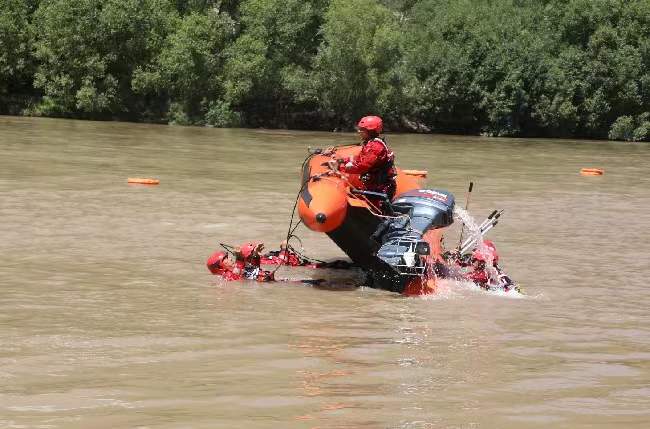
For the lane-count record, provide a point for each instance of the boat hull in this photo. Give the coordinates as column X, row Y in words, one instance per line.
column 328, row 204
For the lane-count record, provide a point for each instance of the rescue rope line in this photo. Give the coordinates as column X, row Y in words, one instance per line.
column 228, row 248
column 462, row 228
column 302, row 247
column 293, row 212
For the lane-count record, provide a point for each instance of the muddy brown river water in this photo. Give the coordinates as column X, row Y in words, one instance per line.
column 109, row 318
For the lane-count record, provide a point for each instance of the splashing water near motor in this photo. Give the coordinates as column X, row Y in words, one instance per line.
column 468, row 223
column 476, row 236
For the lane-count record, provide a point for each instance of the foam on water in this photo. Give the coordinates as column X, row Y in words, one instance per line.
column 458, row 289
column 467, row 219
column 469, row 224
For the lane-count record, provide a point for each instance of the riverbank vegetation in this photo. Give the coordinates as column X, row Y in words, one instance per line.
column 553, row 68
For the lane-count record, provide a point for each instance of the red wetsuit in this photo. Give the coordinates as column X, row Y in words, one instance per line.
column 480, row 277
column 375, row 165
column 282, row 257
column 248, row 268
column 228, row 275
column 219, row 265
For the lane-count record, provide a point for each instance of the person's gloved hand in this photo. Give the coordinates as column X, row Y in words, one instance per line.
column 333, row 164
column 258, row 249
column 328, row 151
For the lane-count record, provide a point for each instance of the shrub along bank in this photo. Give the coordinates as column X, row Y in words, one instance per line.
column 555, row 68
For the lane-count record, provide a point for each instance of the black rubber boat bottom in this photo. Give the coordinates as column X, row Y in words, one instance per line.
column 353, row 238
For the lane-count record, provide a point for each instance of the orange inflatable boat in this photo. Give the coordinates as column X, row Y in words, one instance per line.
column 400, row 249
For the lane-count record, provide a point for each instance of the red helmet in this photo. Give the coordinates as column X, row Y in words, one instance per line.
column 371, row 123
column 247, row 249
column 214, row 261
column 490, row 252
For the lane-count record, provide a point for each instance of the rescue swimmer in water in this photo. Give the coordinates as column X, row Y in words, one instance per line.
column 246, row 264
column 248, row 261
column 481, row 267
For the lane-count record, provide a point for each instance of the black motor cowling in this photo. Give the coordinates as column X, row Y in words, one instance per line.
column 401, row 240
column 427, row 208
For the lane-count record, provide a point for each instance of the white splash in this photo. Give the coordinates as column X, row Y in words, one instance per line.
column 469, row 224
column 474, row 231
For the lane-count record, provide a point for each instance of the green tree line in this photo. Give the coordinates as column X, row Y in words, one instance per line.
column 554, row 68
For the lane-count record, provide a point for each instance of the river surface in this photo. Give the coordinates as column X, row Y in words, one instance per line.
column 110, row 319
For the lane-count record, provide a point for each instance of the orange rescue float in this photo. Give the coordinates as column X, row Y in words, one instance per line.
column 592, row 171
column 328, row 209
column 142, row 181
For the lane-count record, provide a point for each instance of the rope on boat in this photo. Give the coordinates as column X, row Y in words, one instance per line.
column 291, row 229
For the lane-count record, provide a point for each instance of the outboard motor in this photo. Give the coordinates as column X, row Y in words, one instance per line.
column 401, row 238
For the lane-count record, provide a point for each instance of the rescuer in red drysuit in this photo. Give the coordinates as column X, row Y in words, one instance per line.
column 375, row 164
column 248, row 259
column 246, row 265
column 219, row 264
column 284, row 256
column 480, row 271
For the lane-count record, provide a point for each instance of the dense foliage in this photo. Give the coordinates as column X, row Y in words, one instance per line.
column 555, row 68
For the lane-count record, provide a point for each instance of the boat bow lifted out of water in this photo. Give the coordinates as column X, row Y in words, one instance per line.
column 400, row 251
